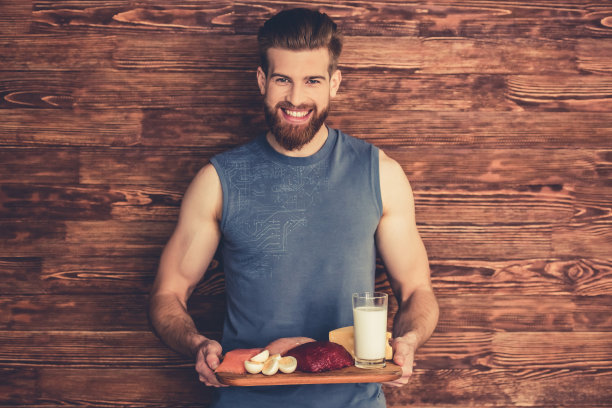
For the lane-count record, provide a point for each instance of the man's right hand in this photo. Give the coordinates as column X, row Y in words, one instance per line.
column 208, row 358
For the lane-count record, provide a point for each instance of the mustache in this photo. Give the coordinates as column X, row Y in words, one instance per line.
column 289, row 105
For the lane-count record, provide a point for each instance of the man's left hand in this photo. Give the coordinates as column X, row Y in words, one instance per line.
column 403, row 355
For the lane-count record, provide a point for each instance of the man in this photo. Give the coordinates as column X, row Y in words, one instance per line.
column 299, row 213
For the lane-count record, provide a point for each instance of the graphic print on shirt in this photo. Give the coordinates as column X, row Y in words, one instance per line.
column 271, row 203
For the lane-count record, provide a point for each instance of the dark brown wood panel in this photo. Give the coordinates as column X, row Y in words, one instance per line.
column 56, row 202
column 473, row 19
column 53, row 127
column 206, row 52
column 503, row 167
column 523, row 313
column 140, row 387
column 15, row 18
column 55, row 52
column 88, row 312
column 582, row 277
column 576, row 93
column 528, row 387
column 161, row 168
column 87, row 349
column 18, row 386
column 31, row 239
column 33, row 165
column 20, row 275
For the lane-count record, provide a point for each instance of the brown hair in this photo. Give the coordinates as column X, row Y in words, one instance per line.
column 300, row 29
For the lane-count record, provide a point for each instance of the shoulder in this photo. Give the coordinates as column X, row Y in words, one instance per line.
column 236, row 153
column 394, row 185
column 389, row 168
column 360, row 149
column 353, row 141
column 204, row 195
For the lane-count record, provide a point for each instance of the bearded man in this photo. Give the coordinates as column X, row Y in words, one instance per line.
column 300, row 213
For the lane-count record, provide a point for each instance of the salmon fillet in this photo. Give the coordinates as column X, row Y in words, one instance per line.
column 233, row 361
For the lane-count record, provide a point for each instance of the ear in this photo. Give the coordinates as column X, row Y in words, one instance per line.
column 261, row 80
column 334, row 83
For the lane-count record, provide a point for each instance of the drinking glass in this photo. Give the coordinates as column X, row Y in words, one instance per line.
column 370, row 327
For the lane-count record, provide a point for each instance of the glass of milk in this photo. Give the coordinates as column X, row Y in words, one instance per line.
column 370, row 324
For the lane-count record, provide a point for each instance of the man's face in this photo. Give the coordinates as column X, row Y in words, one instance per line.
column 297, row 90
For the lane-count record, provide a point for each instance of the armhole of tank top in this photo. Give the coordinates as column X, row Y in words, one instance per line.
column 224, row 198
column 375, row 172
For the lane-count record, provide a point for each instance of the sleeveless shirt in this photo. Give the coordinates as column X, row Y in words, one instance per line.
column 297, row 241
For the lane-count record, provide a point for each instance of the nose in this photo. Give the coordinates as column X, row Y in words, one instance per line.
column 296, row 95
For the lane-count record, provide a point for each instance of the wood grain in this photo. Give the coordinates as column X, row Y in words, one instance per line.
column 477, row 19
column 523, row 313
column 526, row 387
column 31, row 165
column 42, row 127
column 16, row 17
column 582, row 277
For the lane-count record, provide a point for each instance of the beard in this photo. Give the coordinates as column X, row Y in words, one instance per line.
column 294, row 137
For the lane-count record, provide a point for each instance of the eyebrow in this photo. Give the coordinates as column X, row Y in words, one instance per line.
column 276, row 74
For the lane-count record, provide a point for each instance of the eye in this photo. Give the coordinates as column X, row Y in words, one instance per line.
column 281, row 80
column 313, row 82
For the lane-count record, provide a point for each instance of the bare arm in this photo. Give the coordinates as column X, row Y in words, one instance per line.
column 405, row 258
column 183, row 263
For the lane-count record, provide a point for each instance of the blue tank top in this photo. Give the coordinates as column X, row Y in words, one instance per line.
column 297, row 241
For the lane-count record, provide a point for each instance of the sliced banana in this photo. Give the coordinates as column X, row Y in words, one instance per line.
column 253, row 367
column 270, row 367
column 287, row 364
column 261, row 357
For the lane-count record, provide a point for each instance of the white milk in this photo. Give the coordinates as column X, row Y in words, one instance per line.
column 370, row 332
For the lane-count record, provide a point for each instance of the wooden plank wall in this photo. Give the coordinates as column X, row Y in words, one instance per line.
column 500, row 112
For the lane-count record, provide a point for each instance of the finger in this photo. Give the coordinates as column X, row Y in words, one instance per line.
column 212, row 381
column 204, row 367
column 402, row 354
column 212, row 361
column 207, row 376
column 403, row 380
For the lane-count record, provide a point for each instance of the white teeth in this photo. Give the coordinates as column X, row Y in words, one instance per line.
column 296, row 114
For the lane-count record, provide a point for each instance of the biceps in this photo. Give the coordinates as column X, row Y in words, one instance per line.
column 403, row 253
column 186, row 258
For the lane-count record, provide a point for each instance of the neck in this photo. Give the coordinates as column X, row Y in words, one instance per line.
column 308, row 149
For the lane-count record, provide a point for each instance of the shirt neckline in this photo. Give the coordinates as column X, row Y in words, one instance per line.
column 323, row 152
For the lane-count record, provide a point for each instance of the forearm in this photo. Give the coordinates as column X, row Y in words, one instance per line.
column 417, row 314
column 173, row 324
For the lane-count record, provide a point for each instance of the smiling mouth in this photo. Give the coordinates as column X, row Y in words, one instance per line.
column 296, row 114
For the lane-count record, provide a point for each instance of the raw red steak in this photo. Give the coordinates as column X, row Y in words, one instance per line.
column 317, row 356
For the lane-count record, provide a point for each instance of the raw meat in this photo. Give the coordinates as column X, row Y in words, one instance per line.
column 233, row 361
column 317, row 356
column 284, row 344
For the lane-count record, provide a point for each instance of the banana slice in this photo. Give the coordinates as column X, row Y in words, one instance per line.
column 270, row 367
column 261, row 357
column 253, row 367
column 287, row 364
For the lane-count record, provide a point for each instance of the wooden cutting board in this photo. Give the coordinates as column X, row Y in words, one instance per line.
column 345, row 375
